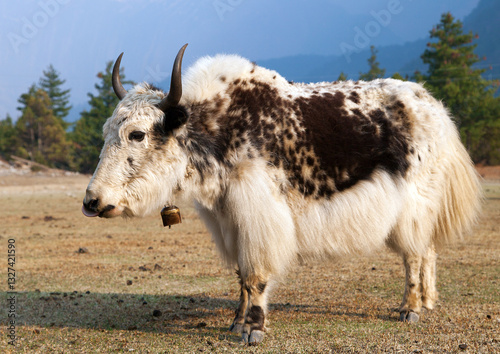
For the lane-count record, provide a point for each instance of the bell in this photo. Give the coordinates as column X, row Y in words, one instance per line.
column 171, row 215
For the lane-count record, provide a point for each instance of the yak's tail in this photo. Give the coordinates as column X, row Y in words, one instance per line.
column 462, row 195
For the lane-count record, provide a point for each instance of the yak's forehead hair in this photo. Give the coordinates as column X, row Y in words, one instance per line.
column 139, row 105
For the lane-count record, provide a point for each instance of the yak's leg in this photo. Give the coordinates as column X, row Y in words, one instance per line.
column 412, row 298
column 254, row 328
column 241, row 311
column 428, row 279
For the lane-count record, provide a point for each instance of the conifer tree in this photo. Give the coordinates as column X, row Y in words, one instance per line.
column 342, row 77
column 40, row 136
column 51, row 83
column 7, row 137
column 453, row 78
column 398, row 76
column 375, row 71
column 87, row 135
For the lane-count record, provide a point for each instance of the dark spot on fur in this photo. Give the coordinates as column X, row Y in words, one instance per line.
column 394, row 144
column 354, row 97
column 130, row 160
column 261, row 287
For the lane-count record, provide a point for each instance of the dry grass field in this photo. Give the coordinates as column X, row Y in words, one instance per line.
column 92, row 285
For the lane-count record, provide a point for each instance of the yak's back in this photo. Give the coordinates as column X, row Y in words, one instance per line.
column 326, row 137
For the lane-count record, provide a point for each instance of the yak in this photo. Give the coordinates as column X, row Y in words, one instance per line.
column 282, row 172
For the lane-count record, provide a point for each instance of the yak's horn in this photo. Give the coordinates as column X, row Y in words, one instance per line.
column 117, row 85
column 175, row 93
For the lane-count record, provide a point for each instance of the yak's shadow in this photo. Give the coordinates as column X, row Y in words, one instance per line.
column 148, row 313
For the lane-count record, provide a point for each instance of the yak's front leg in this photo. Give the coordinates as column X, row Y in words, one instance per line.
column 254, row 326
column 264, row 237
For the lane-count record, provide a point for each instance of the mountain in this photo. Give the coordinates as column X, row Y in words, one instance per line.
column 78, row 37
column 485, row 21
column 404, row 58
column 395, row 58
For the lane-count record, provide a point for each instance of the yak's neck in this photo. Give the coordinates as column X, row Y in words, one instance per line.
column 206, row 174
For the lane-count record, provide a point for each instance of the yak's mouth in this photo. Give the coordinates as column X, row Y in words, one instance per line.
column 107, row 212
column 89, row 213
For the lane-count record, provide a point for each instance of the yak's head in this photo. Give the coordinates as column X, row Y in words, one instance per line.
column 141, row 163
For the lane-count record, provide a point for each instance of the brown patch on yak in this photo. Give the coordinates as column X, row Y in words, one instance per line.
column 321, row 145
column 351, row 146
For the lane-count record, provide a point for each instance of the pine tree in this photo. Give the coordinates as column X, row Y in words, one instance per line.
column 375, row 71
column 398, row 76
column 87, row 135
column 51, row 83
column 342, row 77
column 7, row 137
column 40, row 136
column 452, row 78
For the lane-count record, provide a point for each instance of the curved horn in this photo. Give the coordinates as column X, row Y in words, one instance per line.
column 175, row 93
column 117, row 85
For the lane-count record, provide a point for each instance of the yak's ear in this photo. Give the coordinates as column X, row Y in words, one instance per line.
column 174, row 118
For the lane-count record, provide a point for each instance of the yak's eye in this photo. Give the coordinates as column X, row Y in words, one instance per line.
column 136, row 135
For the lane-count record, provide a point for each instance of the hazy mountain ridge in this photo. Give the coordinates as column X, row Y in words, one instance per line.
column 145, row 58
column 404, row 58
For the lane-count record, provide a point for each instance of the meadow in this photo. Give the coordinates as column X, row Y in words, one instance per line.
column 95, row 285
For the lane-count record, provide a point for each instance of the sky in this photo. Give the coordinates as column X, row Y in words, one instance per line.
column 79, row 37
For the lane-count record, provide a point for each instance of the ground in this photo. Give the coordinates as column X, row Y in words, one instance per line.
column 94, row 285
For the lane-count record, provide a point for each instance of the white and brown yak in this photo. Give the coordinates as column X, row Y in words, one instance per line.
column 282, row 171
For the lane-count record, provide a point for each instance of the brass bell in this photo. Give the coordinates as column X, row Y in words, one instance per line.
column 171, row 215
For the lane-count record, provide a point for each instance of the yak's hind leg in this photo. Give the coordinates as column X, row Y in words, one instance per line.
column 428, row 279
column 251, row 312
column 420, row 288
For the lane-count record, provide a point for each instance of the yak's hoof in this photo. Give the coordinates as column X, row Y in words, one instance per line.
column 244, row 338
column 256, row 337
column 236, row 328
column 409, row 316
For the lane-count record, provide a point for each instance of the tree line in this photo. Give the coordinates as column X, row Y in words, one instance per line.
column 42, row 135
